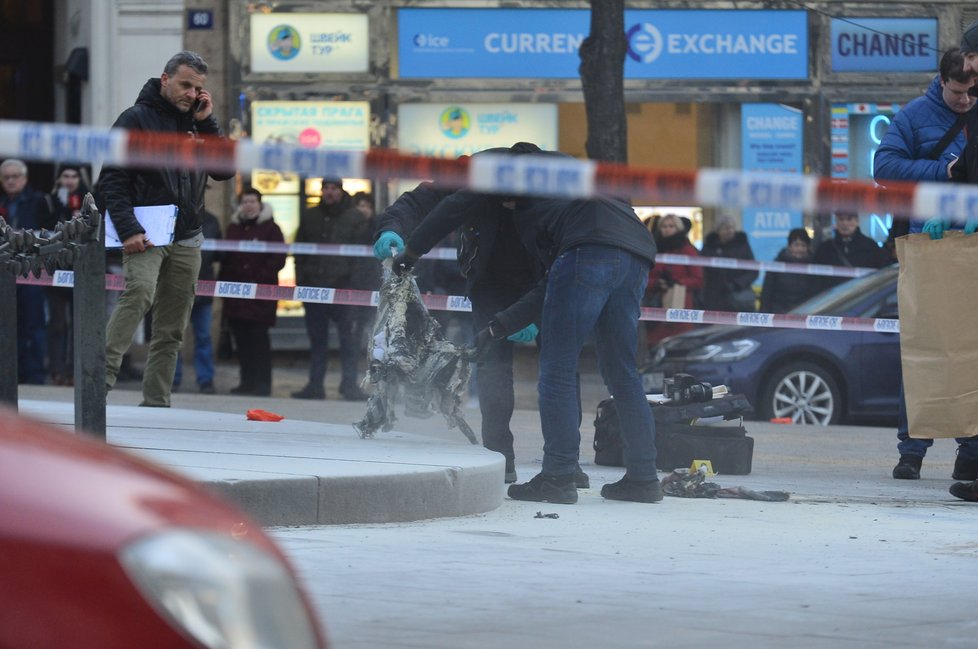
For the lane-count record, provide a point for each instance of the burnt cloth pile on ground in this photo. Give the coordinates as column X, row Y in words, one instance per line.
column 409, row 356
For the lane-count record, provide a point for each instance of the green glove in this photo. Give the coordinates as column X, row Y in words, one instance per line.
column 970, row 226
column 935, row 228
column 384, row 243
column 524, row 335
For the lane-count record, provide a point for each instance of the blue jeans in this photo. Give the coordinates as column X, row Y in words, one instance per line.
column 318, row 317
column 201, row 317
column 594, row 289
column 31, row 335
column 967, row 446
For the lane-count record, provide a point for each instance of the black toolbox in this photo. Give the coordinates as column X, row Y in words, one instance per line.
column 679, row 441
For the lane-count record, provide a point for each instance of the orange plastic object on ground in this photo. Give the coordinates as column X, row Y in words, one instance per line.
column 263, row 415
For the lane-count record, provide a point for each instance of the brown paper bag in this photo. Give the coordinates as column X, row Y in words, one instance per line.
column 938, row 298
column 675, row 297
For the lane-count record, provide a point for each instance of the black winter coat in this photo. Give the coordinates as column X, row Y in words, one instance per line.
column 120, row 190
column 859, row 252
column 258, row 268
column 338, row 223
column 550, row 227
column 483, row 224
column 784, row 291
column 721, row 284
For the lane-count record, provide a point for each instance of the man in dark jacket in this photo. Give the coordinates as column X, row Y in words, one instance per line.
column 159, row 274
column 335, row 220
column 848, row 247
column 598, row 254
column 727, row 289
column 25, row 208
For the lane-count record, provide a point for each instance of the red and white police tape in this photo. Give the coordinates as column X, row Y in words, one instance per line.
column 525, row 174
column 243, row 290
column 350, row 250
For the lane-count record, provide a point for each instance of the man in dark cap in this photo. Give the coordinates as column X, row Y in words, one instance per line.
column 335, row 220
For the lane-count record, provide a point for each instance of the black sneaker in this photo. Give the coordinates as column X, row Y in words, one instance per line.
column 908, row 468
column 310, row 392
column 242, row 389
column 965, row 469
column 557, row 489
column 638, row 491
column 965, row 491
column 207, row 388
column 581, row 481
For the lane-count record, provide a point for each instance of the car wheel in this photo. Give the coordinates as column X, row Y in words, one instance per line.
column 806, row 393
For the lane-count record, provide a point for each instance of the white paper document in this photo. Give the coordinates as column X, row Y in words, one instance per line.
column 157, row 220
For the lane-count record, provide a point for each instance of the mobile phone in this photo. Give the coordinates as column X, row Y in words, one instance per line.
column 196, row 106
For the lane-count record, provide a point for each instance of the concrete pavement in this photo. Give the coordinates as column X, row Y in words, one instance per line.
column 854, row 559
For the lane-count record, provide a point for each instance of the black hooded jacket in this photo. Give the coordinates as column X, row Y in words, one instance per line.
column 121, row 189
column 722, row 283
column 784, row 291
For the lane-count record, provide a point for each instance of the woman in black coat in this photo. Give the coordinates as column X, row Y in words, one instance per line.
column 250, row 320
column 784, row 291
column 727, row 289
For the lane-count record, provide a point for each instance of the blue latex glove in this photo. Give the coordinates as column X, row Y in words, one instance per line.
column 524, row 335
column 970, row 226
column 935, row 228
column 382, row 247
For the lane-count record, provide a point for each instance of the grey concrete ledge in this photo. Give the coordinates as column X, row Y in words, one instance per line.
column 305, row 473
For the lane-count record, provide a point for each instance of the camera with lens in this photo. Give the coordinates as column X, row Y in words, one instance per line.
column 684, row 388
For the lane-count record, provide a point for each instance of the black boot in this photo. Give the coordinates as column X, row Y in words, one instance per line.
column 964, row 469
column 638, row 491
column 581, row 481
column 557, row 489
column 965, row 491
column 908, row 468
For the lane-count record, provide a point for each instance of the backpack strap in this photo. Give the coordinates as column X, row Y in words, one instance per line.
column 949, row 136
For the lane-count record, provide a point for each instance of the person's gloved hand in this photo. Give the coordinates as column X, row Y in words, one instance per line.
column 970, row 226
column 483, row 341
column 524, row 335
column 386, row 240
column 403, row 263
column 935, row 228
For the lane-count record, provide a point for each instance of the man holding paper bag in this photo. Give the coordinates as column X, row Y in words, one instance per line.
column 160, row 274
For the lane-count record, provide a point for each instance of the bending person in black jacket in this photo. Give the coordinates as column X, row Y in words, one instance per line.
column 598, row 254
column 159, row 274
column 497, row 271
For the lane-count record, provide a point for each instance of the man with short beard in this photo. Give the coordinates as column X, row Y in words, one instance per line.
column 159, row 274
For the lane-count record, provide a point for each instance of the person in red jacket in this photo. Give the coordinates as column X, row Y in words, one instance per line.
column 671, row 238
column 250, row 320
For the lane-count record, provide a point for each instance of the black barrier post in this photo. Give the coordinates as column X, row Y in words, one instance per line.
column 8, row 338
column 89, row 326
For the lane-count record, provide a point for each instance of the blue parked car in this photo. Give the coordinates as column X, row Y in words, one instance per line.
column 810, row 376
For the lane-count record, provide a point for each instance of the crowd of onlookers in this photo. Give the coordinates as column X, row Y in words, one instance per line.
column 729, row 289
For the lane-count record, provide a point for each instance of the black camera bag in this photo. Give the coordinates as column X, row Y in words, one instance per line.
column 728, row 448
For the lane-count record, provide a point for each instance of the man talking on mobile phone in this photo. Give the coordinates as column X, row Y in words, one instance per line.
column 160, row 275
